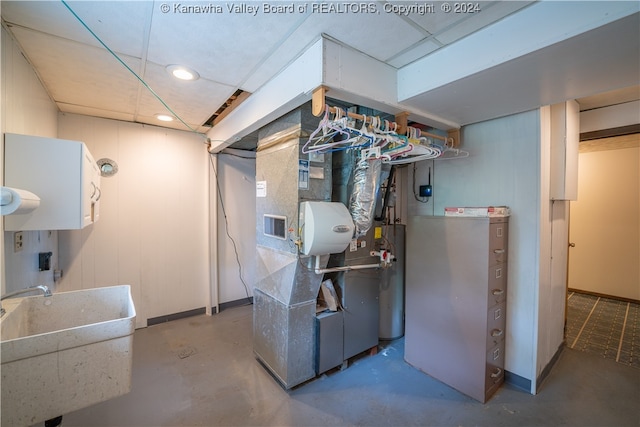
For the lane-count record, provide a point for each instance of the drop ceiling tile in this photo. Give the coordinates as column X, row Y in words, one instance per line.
column 437, row 21
column 176, row 124
column 490, row 13
column 222, row 47
column 380, row 36
column 417, row 51
column 193, row 101
column 119, row 24
column 78, row 74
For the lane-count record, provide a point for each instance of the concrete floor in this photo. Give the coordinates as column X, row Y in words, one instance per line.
column 201, row 371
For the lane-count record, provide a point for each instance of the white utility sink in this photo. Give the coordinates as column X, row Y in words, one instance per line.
column 64, row 352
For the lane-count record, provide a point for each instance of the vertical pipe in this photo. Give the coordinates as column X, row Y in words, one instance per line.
column 213, row 238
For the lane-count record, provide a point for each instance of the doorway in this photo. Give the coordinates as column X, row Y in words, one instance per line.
column 603, row 310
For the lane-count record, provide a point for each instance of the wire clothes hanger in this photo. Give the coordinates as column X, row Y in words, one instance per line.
column 375, row 138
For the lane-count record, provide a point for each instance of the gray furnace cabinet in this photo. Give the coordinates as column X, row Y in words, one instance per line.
column 456, row 287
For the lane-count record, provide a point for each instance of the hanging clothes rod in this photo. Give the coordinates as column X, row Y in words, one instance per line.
column 400, row 129
column 319, row 106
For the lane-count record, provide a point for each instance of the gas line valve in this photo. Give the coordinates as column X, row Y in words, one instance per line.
column 385, row 256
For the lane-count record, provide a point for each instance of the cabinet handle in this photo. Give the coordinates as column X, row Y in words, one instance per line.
column 498, row 251
column 496, row 374
column 99, row 194
column 93, row 190
column 497, row 291
column 496, row 332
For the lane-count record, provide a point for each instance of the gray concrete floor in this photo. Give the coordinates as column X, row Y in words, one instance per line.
column 201, row 371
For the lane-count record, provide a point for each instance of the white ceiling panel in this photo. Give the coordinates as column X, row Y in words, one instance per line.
column 437, row 20
column 417, row 51
column 221, row 47
column 490, row 12
column 176, row 124
column 81, row 75
column 52, row 17
column 279, row 58
column 194, row 101
column 380, row 36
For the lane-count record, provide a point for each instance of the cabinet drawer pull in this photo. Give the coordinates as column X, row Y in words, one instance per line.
column 496, row 332
column 498, row 251
column 497, row 291
column 497, row 373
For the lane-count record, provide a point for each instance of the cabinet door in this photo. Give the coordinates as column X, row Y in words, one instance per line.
column 51, row 169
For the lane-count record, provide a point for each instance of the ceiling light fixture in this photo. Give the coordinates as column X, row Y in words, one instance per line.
column 183, row 73
column 164, row 117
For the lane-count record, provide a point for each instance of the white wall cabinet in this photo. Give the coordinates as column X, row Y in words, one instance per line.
column 62, row 173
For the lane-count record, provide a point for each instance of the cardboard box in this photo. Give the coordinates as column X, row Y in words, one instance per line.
column 487, row 211
column 329, row 296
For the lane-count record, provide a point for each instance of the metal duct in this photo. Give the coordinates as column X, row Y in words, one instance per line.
column 287, row 287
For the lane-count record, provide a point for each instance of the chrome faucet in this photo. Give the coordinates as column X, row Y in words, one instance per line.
column 42, row 288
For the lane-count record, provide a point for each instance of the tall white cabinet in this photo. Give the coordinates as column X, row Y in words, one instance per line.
column 62, row 173
column 456, row 288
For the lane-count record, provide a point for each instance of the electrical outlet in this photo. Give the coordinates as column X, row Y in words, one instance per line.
column 17, row 241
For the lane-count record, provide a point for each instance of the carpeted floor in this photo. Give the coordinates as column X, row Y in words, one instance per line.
column 606, row 327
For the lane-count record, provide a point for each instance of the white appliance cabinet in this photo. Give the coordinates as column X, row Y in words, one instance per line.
column 62, row 173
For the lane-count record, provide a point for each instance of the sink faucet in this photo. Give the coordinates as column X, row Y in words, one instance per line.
column 42, row 288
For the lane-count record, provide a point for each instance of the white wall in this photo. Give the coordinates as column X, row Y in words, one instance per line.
column 503, row 169
column 25, row 109
column 553, row 234
column 153, row 232
column 236, row 177
column 605, row 224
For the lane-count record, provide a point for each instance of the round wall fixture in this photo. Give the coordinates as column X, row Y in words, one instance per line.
column 107, row 167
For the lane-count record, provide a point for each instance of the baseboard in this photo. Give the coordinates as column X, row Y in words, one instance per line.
column 517, row 381
column 198, row 311
column 547, row 369
column 175, row 316
column 236, row 303
column 596, row 294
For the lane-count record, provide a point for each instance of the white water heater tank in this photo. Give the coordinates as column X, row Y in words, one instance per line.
column 327, row 227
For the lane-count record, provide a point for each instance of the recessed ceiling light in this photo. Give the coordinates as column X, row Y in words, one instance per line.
column 164, row 117
column 183, row 73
